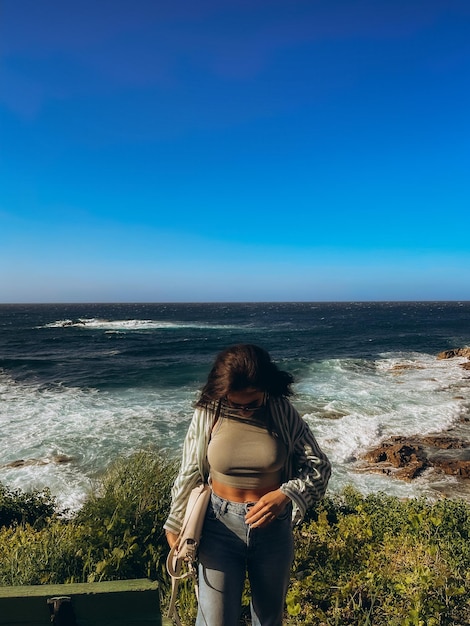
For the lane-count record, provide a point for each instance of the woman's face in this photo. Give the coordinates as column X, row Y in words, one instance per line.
column 246, row 401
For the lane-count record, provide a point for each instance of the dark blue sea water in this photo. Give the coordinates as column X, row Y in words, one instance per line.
column 95, row 381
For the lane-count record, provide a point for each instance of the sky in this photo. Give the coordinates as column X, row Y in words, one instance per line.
column 234, row 150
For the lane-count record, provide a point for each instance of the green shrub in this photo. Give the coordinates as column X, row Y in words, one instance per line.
column 122, row 523
column 20, row 507
column 360, row 560
column 382, row 561
column 31, row 556
column 117, row 534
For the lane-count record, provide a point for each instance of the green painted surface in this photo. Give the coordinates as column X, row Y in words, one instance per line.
column 84, row 588
column 116, row 603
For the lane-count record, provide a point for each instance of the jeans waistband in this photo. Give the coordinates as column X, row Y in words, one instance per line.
column 239, row 508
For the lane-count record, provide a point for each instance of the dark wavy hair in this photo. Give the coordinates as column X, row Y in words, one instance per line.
column 241, row 366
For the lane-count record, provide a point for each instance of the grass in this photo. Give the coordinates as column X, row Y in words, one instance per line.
column 360, row 560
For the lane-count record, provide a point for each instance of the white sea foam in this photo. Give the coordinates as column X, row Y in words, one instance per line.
column 92, row 427
column 131, row 325
column 350, row 404
column 399, row 394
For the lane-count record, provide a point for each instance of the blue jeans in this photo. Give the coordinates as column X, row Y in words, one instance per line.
column 229, row 549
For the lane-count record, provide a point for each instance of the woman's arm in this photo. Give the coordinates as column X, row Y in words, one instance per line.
column 310, row 469
column 189, row 475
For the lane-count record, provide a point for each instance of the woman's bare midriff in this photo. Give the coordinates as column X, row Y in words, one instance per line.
column 233, row 494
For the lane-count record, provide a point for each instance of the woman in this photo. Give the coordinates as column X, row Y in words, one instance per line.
column 265, row 469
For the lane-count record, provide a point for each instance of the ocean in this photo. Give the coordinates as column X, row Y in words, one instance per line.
column 83, row 384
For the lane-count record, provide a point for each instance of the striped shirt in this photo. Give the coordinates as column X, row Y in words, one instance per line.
column 305, row 474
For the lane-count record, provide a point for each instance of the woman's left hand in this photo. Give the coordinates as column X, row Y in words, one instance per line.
column 267, row 509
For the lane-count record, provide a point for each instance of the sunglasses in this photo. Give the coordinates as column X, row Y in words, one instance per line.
column 246, row 408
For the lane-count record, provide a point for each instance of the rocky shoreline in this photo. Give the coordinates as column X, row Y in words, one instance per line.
column 55, row 458
column 406, row 458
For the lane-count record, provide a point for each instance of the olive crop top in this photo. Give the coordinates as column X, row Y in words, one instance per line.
column 245, row 455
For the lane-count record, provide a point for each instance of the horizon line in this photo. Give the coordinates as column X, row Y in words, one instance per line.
column 195, row 302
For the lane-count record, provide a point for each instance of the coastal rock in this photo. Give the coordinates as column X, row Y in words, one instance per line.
column 407, row 457
column 404, row 459
column 400, row 367
column 450, row 354
column 443, row 442
column 452, row 467
column 78, row 322
column 56, row 458
column 61, row 458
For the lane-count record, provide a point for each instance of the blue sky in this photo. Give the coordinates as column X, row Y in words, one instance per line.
column 235, row 150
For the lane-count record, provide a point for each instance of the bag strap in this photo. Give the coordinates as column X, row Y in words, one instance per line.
column 174, row 567
column 172, row 612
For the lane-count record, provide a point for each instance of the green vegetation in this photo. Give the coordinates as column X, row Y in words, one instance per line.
column 373, row 560
column 117, row 534
column 18, row 507
column 382, row 561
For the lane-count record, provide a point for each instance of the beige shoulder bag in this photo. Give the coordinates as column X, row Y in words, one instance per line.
column 181, row 560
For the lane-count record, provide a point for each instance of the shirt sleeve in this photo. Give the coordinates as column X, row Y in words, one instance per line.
column 310, row 468
column 189, row 475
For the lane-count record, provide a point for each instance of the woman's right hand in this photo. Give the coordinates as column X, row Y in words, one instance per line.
column 172, row 538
